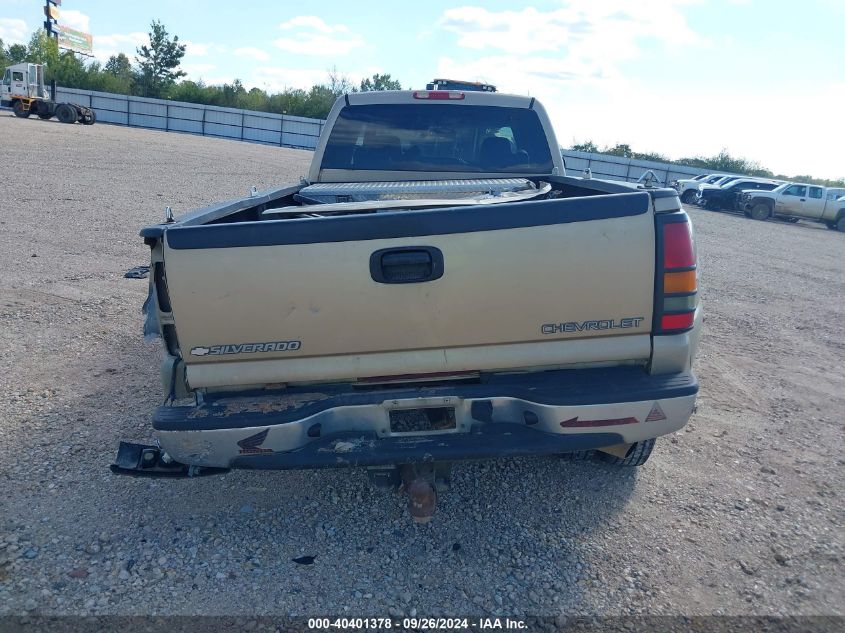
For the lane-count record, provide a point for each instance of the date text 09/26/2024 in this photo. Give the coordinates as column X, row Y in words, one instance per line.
column 416, row 624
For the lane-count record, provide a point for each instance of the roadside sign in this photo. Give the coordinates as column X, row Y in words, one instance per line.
column 51, row 12
column 76, row 41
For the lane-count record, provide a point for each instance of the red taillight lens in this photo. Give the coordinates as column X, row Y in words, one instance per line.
column 677, row 246
column 675, row 305
column 438, row 95
column 677, row 321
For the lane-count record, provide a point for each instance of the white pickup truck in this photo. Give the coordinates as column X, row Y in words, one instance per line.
column 687, row 188
column 797, row 201
column 436, row 289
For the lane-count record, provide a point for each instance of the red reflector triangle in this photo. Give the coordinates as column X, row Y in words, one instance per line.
column 656, row 414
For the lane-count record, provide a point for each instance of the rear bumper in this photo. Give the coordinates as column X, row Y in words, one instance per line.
column 500, row 416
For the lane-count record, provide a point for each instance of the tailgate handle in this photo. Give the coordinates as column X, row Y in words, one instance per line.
column 406, row 265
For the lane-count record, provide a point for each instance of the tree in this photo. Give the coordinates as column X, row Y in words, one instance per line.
column 159, row 62
column 119, row 66
column 587, row 146
column 339, row 84
column 16, row 53
column 380, row 82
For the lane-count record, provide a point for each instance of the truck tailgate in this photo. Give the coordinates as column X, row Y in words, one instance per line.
column 517, row 285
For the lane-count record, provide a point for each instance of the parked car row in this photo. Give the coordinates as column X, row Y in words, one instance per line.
column 764, row 198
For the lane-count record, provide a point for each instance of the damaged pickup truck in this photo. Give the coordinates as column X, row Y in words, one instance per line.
column 436, row 289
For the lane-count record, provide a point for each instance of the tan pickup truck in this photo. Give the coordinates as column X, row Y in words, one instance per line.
column 797, row 201
column 436, row 289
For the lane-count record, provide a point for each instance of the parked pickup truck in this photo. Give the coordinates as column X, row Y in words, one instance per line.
column 727, row 196
column 436, row 289
column 687, row 188
column 797, row 201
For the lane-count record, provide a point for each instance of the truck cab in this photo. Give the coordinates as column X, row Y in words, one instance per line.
column 22, row 81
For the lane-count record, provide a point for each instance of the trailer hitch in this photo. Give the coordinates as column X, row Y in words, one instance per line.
column 142, row 460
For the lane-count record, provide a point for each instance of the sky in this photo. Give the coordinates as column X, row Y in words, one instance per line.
column 764, row 79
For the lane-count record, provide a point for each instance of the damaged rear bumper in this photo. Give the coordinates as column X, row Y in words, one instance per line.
column 502, row 415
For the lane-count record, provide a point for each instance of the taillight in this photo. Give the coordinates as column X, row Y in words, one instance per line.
column 676, row 282
column 438, row 95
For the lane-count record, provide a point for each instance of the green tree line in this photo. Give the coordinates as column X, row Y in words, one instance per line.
column 155, row 73
column 721, row 162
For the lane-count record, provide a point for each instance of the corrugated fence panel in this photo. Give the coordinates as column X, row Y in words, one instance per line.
column 627, row 169
column 232, row 117
column 296, row 131
column 195, row 118
column 262, row 122
column 185, row 112
column 227, row 131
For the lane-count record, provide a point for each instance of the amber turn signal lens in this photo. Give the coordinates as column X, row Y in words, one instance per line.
column 679, row 282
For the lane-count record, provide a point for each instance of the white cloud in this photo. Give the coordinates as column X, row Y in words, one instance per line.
column 311, row 35
column 75, row 19
column 196, row 71
column 252, row 53
column 13, row 31
column 583, row 40
column 196, row 49
column 274, row 79
column 107, row 45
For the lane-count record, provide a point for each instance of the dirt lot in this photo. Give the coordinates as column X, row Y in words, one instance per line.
column 740, row 513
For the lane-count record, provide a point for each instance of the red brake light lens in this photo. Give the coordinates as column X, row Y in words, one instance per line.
column 677, row 246
column 677, row 321
column 438, row 95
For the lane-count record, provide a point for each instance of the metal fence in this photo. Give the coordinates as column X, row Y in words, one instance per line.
column 294, row 131
column 195, row 118
column 627, row 169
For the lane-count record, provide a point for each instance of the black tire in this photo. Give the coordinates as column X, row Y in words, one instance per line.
column 19, row 110
column 637, row 455
column 840, row 224
column 66, row 113
column 760, row 211
column 89, row 119
column 688, row 196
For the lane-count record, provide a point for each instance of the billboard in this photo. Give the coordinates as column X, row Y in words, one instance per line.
column 76, row 41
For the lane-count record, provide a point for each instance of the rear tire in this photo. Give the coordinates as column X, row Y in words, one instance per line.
column 66, row 113
column 761, row 211
column 637, row 455
column 688, row 196
column 840, row 224
column 89, row 119
column 19, row 110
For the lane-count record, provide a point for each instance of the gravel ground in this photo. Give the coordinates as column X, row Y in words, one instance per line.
column 740, row 513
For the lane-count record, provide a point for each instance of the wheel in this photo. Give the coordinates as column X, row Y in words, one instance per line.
column 840, row 224
column 89, row 119
column 688, row 196
column 20, row 110
column 66, row 113
column 637, row 455
column 761, row 211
